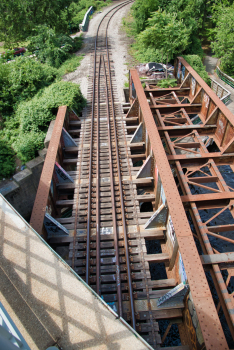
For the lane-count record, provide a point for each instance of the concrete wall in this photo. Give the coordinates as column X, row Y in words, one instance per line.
column 21, row 191
column 47, row 301
column 84, row 25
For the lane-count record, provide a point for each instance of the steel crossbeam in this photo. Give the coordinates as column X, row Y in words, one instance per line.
column 180, row 123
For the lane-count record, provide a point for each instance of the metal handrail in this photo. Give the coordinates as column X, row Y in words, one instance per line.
column 228, row 80
column 224, row 94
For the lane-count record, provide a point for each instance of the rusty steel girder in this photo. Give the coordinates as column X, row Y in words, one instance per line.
column 43, row 197
column 176, row 143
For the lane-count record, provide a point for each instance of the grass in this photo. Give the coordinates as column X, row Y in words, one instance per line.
column 128, row 24
column 70, row 65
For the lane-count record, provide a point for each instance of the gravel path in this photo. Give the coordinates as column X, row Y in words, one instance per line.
column 119, row 45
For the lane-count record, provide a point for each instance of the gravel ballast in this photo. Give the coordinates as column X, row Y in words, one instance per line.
column 119, row 48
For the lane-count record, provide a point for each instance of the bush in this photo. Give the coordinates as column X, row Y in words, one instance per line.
column 196, row 63
column 8, row 55
column 166, row 83
column 27, row 145
column 7, row 159
column 27, row 76
column 50, row 47
column 145, row 55
column 6, row 101
column 77, row 43
column 21, row 80
column 224, row 38
column 36, row 114
column 78, row 18
column 195, row 47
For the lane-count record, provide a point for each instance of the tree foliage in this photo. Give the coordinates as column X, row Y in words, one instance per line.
column 35, row 114
column 165, row 33
column 21, row 80
column 7, row 159
column 19, row 18
column 223, row 34
column 192, row 13
column 52, row 48
column 142, row 10
column 27, row 130
column 196, row 63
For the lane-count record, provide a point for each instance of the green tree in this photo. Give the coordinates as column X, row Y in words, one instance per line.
column 142, row 10
column 18, row 18
column 50, row 47
column 166, row 33
column 223, row 43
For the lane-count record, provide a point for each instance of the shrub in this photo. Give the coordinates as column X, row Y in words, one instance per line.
column 77, row 43
column 21, row 80
column 145, row 55
column 7, row 159
column 195, row 47
column 78, row 18
column 32, row 117
column 36, row 114
column 224, row 39
column 27, row 145
column 166, row 83
column 50, row 47
column 6, row 101
column 27, row 76
column 8, row 55
column 196, row 63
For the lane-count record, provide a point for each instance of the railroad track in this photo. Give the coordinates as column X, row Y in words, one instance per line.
column 105, row 166
column 108, row 249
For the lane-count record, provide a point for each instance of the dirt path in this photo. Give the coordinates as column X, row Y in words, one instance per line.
column 119, row 44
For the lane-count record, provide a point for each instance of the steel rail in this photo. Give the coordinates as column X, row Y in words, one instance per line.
column 130, row 289
column 98, row 288
column 116, row 245
column 77, row 204
column 151, row 319
column 89, row 212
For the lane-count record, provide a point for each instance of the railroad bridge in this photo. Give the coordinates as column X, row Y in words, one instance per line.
column 123, row 194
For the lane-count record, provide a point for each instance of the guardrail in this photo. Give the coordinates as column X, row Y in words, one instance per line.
column 84, row 25
column 220, row 91
column 228, row 80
